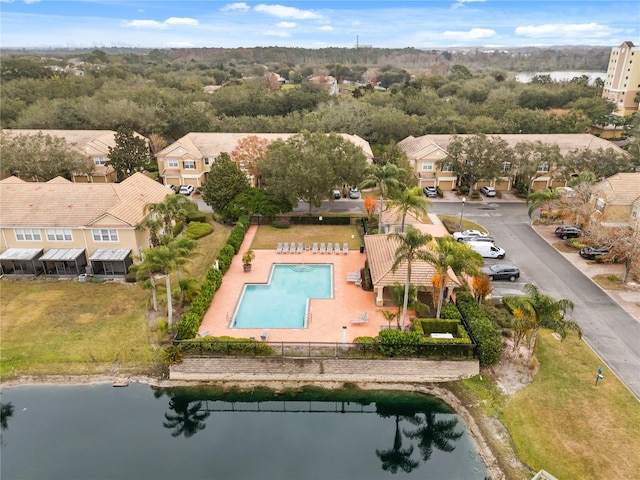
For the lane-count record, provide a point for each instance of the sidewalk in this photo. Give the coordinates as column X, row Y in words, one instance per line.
column 629, row 299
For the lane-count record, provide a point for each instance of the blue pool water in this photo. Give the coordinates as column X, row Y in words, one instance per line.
column 282, row 302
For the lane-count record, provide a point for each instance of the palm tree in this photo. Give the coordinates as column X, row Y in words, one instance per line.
column 171, row 210
column 187, row 420
column 410, row 200
column 440, row 433
column 397, row 457
column 543, row 310
column 454, row 255
column 183, row 247
column 540, row 198
column 384, row 177
column 411, row 248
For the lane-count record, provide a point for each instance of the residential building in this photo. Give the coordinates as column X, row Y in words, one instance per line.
column 188, row 160
column 427, row 156
column 622, row 83
column 616, row 200
column 92, row 144
column 61, row 228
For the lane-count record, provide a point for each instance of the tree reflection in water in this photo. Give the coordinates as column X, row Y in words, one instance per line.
column 440, row 434
column 6, row 412
column 188, row 418
column 397, row 457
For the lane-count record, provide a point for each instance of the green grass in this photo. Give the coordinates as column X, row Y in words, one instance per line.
column 563, row 423
column 268, row 236
column 452, row 223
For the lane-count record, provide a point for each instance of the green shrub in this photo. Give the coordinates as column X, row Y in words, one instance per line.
column 225, row 256
column 439, row 192
column 486, row 335
column 172, row 355
column 198, row 230
column 226, row 346
column 395, row 343
column 450, row 312
column 280, row 224
column 196, row 217
column 575, row 243
column 427, row 326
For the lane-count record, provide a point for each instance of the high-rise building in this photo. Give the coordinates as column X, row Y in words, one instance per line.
column 622, row 84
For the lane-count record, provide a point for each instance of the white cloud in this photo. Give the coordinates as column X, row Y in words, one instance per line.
column 563, row 30
column 239, row 6
column 277, row 33
column 287, row 12
column 325, row 28
column 460, row 3
column 179, row 44
column 473, row 34
column 181, row 21
column 286, row 24
column 145, row 24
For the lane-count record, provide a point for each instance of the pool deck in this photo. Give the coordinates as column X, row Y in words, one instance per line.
column 328, row 316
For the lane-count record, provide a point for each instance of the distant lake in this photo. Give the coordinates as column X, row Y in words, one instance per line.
column 142, row 432
column 560, row 76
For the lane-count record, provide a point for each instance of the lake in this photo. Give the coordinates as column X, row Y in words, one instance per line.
column 139, row 432
column 560, row 76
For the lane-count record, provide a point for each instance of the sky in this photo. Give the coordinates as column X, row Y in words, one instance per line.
column 317, row 24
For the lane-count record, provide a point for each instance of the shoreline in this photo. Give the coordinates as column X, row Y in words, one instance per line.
column 484, row 450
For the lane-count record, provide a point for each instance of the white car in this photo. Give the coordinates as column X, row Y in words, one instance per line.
column 488, row 191
column 186, row 190
column 469, row 233
column 354, row 192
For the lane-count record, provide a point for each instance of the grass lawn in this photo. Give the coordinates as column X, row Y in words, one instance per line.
column 563, row 423
column 452, row 223
column 268, row 236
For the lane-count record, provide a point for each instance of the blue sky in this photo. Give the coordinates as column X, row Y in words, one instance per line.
column 317, row 24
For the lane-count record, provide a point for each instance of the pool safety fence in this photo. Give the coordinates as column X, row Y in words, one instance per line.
column 204, row 348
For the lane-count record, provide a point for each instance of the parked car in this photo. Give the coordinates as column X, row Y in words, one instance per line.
column 487, row 250
column 501, row 271
column 591, row 253
column 469, row 233
column 336, row 193
column 568, row 231
column 172, row 188
column 488, row 191
column 186, row 190
column 476, row 239
column 354, row 192
column 430, row 192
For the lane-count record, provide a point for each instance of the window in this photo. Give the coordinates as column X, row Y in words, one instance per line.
column 27, row 234
column 447, row 167
column 207, row 160
column 105, row 235
column 543, row 167
column 189, row 164
column 635, row 212
column 172, row 163
column 506, row 166
column 600, row 204
column 98, row 160
column 59, row 234
column 427, row 166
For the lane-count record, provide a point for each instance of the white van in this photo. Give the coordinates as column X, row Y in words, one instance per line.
column 486, row 249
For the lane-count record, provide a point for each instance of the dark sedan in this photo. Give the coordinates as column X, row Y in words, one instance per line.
column 567, row 231
column 501, row 271
column 591, row 253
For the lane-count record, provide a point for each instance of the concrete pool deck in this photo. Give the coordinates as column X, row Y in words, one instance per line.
column 328, row 316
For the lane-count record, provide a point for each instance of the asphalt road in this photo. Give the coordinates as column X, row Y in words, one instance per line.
column 607, row 328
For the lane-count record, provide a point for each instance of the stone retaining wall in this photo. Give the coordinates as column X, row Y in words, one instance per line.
column 321, row 369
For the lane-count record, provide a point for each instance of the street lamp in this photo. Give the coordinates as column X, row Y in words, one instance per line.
column 464, row 199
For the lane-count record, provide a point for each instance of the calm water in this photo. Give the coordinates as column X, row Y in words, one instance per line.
column 282, row 303
column 561, row 76
column 140, row 432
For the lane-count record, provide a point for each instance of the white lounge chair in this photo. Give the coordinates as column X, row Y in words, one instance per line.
column 264, row 336
column 330, row 247
column 337, row 248
column 285, row 247
column 307, row 247
column 353, row 276
column 293, row 247
column 361, row 319
column 299, row 250
column 315, row 247
column 345, row 248
column 323, row 248
column 279, row 248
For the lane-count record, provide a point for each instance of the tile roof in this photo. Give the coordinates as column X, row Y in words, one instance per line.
column 65, row 204
column 624, row 188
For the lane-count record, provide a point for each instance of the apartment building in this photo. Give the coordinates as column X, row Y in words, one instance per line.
column 622, row 83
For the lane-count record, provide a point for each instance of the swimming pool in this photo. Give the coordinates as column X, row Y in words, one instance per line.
column 283, row 302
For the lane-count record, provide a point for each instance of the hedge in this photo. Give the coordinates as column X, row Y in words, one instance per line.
column 198, row 230
column 487, row 337
column 427, row 326
column 225, row 346
column 450, row 311
column 326, row 220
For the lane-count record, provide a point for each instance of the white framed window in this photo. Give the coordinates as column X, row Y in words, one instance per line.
column 635, row 212
column 105, row 235
column 27, row 234
column 447, row 167
column 98, row 160
column 543, row 167
column 427, row 166
column 189, row 164
column 600, row 204
column 172, row 163
column 59, row 234
column 207, row 161
column 506, row 166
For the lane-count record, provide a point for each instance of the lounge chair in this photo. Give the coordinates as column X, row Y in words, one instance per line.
column 345, row 248
column 330, row 247
column 285, row 248
column 361, row 319
column 323, row 248
column 337, row 248
column 353, row 276
column 279, row 248
column 307, row 247
column 315, row 247
column 299, row 250
column 264, row 336
column 293, row 247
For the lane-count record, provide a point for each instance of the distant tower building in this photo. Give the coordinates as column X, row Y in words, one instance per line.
column 622, row 83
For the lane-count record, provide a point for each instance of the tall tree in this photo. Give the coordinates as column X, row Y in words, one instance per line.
column 248, row 152
column 410, row 200
column 131, row 153
column 541, row 198
column 412, row 248
column 384, row 177
column 533, row 160
column 41, row 157
column 224, row 182
column 623, row 243
column 477, row 157
column 171, row 210
column 541, row 310
column 602, row 162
